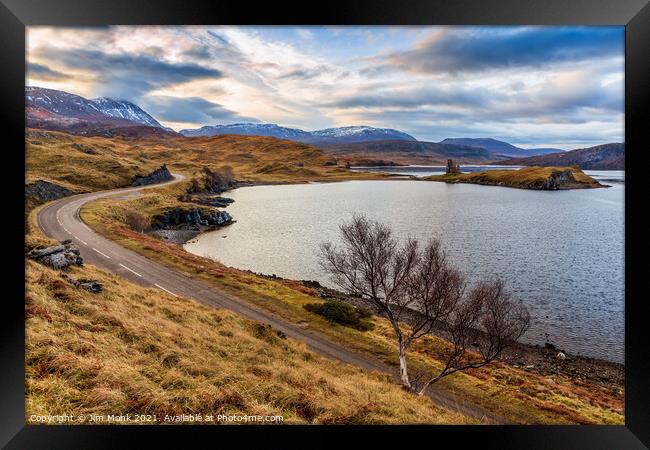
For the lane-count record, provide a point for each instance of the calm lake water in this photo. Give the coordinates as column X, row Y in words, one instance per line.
column 560, row 252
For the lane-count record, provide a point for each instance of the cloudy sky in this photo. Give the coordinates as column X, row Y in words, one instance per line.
column 531, row 86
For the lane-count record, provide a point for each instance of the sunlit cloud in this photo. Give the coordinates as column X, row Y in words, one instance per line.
column 543, row 86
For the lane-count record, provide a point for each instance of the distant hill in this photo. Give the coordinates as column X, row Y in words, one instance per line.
column 248, row 129
column 328, row 136
column 357, row 134
column 408, row 152
column 59, row 110
column 500, row 148
column 545, row 150
column 601, row 157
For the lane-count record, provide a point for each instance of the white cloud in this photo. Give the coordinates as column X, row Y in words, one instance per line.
column 289, row 77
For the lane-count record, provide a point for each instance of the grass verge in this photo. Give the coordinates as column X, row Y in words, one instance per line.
column 518, row 395
column 132, row 350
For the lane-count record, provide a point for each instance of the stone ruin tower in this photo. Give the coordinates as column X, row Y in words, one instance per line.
column 451, row 167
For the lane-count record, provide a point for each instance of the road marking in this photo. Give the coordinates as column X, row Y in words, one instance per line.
column 66, row 230
column 103, row 254
column 169, row 292
column 131, row 270
column 83, row 242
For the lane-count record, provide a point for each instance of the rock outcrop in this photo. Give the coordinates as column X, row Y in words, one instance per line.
column 58, row 256
column 93, row 286
column 159, row 175
column 84, row 148
column 43, row 191
column 558, row 179
column 190, row 216
column 208, row 200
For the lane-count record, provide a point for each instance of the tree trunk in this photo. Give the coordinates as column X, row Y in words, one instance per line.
column 403, row 371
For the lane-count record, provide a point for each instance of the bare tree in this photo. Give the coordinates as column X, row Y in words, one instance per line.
column 487, row 319
column 402, row 279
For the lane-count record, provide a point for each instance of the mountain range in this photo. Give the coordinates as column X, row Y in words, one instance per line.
column 367, row 139
column 63, row 111
column 326, row 136
column 600, row 157
column 500, row 148
column 52, row 104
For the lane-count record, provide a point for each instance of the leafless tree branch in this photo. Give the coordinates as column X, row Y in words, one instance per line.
column 395, row 278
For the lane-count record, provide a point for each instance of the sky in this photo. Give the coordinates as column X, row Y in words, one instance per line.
column 531, row 86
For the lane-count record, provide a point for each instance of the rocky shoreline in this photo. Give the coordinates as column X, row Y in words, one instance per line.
column 547, row 360
column 179, row 225
column 186, row 225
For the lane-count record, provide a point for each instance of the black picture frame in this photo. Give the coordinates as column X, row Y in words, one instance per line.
column 15, row 15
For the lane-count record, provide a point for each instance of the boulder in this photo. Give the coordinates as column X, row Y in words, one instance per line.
column 58, row 256
column 84, row 148
column 561, row 356
column 93, row 286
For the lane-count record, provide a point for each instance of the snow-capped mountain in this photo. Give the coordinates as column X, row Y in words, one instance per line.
column 361, row 133
column 325, row 136
column 65, row 106
column 248, row 129
column 123, row 109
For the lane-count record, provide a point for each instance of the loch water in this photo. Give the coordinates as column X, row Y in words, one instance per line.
column 561, row 252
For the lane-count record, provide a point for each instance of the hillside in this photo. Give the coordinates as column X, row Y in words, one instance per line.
column 408, row 152
column 88, row 163
column 328, row 136
column 134, row 350
column 499, row 148
column 537, row 178
column 601, row 157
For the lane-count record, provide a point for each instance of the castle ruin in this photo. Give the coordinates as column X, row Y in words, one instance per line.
column 451, row 167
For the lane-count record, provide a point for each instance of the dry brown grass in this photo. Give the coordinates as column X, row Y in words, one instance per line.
column 519, row 395
column 524, row 178
column 141, row 351
column 55, row 156
column 123, row 318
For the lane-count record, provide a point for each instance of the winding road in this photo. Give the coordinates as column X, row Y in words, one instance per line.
column 60, row 220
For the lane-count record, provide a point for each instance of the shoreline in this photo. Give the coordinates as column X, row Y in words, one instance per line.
column 535, row 358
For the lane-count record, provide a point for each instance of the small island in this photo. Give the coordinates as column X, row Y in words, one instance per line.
column 538, row 178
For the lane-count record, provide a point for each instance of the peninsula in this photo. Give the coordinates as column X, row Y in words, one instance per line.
column 537, row 178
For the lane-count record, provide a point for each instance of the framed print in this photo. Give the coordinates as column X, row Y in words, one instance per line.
column 370, row 216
